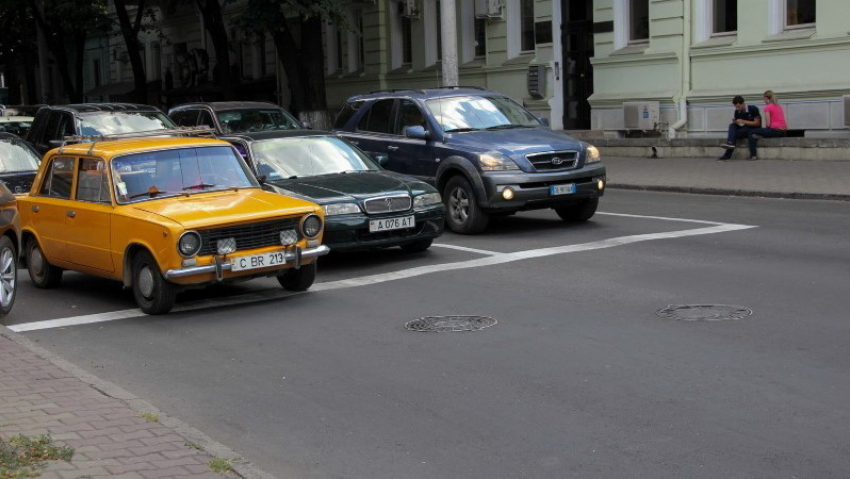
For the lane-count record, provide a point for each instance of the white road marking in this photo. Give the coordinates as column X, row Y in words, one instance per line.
column 464, row 248
column 493, row 259
column 664, row 218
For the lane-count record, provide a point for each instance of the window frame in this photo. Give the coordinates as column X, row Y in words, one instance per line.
column 106, row 176
column 711, row 16
column 630, row 24
column 367, row 116
column 47, row 181
column 800, row 26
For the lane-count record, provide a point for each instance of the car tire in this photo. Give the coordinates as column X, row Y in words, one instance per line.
column 578, row 212
column 417, row 246
column 154, row 294
column 8, row 275
column 463, row 214
column 298, row 279
column 43, row 274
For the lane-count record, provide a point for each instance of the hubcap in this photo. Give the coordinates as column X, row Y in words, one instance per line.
column 145, row 281
column 37, row 261
column 459, row 205
column 7, row 276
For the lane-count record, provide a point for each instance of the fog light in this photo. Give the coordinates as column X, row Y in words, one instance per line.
column 288, row 237
column 600, row 184
column 508, row 193
column 226, row 245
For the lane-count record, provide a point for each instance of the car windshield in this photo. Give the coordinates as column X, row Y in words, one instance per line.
column 256, row 119
column 287, row 158
column 16, row 156
column 468, row 113
column 110, row 123
column 157, row 174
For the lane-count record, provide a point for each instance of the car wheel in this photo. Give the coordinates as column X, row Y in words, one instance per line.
column 417, row 246
column 42, row 273
column 8, row 275
column 154, row 294
column 463, row 215
column 579, row 211
column 298, row 279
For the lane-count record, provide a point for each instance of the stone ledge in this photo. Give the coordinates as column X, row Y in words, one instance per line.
column 795, row 142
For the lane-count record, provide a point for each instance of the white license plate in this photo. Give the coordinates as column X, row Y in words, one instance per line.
column 562, row 189
column 392, row 224
column 254, row 261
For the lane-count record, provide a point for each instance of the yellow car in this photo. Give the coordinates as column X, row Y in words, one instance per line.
column 161, row 215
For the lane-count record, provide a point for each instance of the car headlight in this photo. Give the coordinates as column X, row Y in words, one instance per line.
column 496, row 162
column 428, row 199
column 593, row 154
column 311, row 226
column 341, row 209
column 189, row 244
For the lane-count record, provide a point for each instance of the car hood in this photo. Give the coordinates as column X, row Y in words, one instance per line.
column 348, row 186
column 205, row 210
column 516, row 142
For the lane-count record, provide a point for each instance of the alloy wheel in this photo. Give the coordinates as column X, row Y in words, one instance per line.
column 459, row 205
column 7, row 276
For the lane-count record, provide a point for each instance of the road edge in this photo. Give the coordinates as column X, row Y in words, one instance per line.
column 730, row 192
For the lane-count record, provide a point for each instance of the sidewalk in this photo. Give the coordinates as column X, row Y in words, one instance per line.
column 112, row 433
column 828, row 180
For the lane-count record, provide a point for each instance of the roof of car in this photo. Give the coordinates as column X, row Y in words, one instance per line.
column 227, row 105
column 110, row 148
column 107, row 107
column 271, row 134
column 426, row 93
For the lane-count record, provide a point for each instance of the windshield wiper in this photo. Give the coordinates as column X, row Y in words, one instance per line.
column 154, row 194
column 506, row 126
column 199, row 186
column 461, row 130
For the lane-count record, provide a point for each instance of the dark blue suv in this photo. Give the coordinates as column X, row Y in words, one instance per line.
column 485, row 153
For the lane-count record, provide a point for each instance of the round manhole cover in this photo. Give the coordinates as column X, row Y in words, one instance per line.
column 704, row 312
column 444, row 324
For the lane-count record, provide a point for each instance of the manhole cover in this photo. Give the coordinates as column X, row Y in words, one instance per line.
column 443, row 324
column 704, row 312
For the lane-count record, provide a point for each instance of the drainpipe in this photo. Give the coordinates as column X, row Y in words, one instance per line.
column 686, row 73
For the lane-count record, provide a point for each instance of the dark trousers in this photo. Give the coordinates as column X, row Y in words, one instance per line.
column 757, row 133
column 736, row 132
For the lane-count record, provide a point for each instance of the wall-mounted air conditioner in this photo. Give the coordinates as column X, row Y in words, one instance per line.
column 408, row 8
column 640, row 115
column 847, row 111
column 488, row 8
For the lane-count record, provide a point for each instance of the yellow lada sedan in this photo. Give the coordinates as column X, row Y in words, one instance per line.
column 161, row 215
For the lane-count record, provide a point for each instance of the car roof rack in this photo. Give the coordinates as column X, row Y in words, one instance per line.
column 176, row 131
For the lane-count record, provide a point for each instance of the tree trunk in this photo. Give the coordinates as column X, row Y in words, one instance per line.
column 29, row 75
column 130, row 32
column 56, row 45
column 214, row 24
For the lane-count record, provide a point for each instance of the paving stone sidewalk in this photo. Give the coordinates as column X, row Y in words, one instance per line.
column 43, row 394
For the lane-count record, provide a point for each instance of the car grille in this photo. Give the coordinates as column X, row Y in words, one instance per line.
column 388, row 204
column 554, row 161
column 250, row 236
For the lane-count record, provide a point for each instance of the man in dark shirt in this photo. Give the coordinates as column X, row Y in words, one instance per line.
column 747, row 118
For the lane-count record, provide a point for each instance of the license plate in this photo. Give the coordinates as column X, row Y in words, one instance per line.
column 392, row 224
column 562, row 189
column 254, row 261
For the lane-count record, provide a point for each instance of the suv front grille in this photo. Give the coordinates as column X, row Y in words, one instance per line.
column 388, row 204
column 554, row 160
column 250, row 236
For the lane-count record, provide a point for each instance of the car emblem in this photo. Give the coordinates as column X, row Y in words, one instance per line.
column 557, row 161
column 389, row 203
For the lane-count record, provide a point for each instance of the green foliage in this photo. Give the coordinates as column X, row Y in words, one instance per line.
column 220, row 465
column 274, row 16
column 23, row 456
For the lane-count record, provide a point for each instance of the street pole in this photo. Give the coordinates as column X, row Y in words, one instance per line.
column 448, row 37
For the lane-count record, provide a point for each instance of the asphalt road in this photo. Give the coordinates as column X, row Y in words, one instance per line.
column 580, row 377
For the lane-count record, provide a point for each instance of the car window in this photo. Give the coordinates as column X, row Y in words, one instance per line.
column 60, row 176
column 480, row 113
column 205, row 119
column 409, row 114
column 92, row 181
column 377, row 119
column 110, row 123
column 346, row 113
column 256, row 119
column 16, row 156
column 298, row 157
column 185, row 117
column 155, row 174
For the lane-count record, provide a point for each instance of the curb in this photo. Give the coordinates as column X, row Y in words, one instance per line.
column 241, row 467
column 731, row 192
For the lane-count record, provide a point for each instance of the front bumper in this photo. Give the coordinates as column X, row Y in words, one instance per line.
column 532, row 190
column 295, row 256
column 351, row 232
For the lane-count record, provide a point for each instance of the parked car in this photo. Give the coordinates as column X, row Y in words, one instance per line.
column 17, row 125
column 485, row 153
column 55, row 122
column 18, row 163
column 234, row 116
column 365, row 206
column 10, row 228
column 161, row 215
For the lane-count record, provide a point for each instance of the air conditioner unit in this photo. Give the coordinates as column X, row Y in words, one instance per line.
column 536, row 79
column 847, row 111
column 640, row 115
column 488, row 8
column 408, row 8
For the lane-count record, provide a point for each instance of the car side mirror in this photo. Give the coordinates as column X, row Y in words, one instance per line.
column 262, row 179
column 381, row 158
column 417, row 132
column 55, row 143
column 543, row 120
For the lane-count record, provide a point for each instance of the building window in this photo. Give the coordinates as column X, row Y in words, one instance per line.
column 480, row 37
column 439, row 18
column 98, row 74
column 356, row 46
column 334, row 54
column 638, row 21
column 725, row 16
column 799, row 13
column 526, row 13
column 406, row 41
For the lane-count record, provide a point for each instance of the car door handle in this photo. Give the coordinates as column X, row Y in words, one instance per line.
column 71, row 214
column 34, row 208
column 392, row 148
